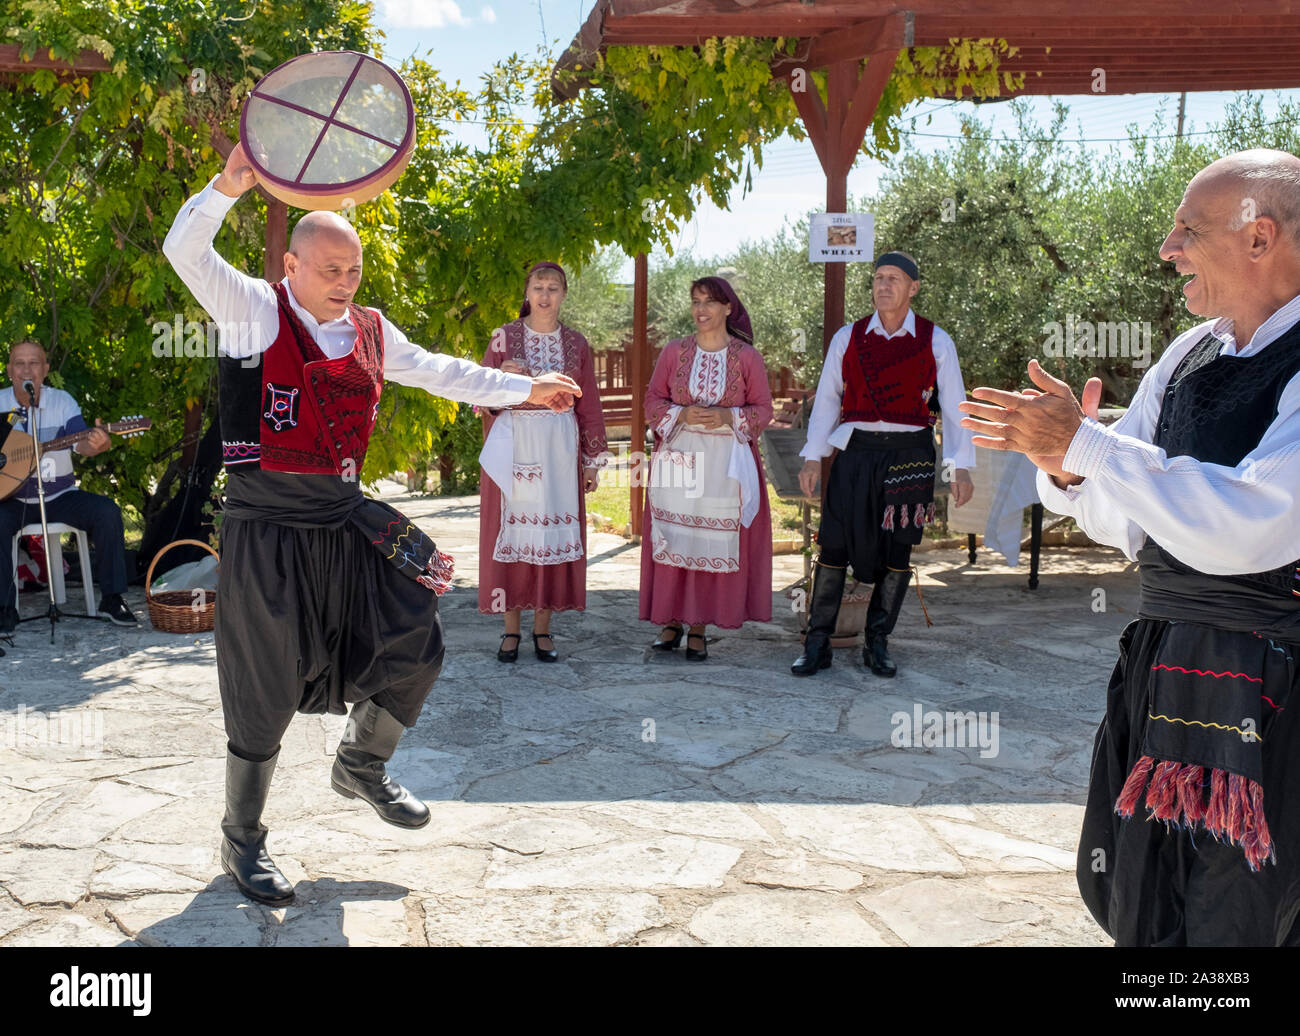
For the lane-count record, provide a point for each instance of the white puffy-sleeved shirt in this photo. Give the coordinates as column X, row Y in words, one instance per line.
column 826, row 432
column 246, row 311
column 1215, row 519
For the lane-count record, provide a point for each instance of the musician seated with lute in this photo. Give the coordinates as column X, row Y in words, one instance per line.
column 56, row 415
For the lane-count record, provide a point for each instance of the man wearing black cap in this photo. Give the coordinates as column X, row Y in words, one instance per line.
column 876, row 404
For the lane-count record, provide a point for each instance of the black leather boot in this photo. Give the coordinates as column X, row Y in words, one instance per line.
column 823, row 610
column 243, row 849
column 882, row 614
column 370, row 741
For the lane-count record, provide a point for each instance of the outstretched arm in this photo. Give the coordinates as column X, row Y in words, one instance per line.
column 1218, row 519
column 467, row 382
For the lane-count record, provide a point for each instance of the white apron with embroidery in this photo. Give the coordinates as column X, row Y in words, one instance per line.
column 703, row 482
column 532, row 456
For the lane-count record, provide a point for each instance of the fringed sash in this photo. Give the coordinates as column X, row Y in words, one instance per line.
column 1212, row 692
column 402, row 544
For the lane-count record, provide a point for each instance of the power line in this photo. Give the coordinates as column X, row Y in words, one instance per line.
column 1079, row 140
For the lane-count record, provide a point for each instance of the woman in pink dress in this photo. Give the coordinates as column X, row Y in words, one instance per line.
column 706, row 553
column 537, row 466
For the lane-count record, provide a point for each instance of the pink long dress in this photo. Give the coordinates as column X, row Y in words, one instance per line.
column 557, row 587
column 726, row 599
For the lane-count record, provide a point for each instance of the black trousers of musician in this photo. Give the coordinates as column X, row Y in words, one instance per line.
column 98, row 516
column 877, row 471
column 310, row 619
column 1148, row 884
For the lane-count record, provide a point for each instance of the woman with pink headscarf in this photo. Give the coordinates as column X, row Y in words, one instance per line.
column 706, row 553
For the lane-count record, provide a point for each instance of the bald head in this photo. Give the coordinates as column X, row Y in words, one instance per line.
column 1237, row 234
column 28, row 346
column 325, row 228
column 323, row 264
column 27, row 362
column 1257, row 184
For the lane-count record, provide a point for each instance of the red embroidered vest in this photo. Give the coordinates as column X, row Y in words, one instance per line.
column 298, row 411
column 889, row 379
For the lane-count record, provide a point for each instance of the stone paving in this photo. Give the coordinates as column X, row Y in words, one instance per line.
column 619, row 797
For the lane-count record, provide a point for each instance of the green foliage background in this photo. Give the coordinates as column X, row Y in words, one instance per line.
column 1012, row 234
column 93, row 170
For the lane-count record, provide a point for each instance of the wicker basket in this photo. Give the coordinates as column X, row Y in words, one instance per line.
column 179, row 611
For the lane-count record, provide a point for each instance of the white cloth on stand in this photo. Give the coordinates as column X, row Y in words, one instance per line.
column 1003, row 486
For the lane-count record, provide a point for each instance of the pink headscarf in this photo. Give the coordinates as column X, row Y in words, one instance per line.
column 738, row 318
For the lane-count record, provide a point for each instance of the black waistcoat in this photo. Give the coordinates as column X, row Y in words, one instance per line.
column 1216, row 408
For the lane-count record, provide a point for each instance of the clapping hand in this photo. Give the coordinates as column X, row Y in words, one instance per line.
column 1040, row 423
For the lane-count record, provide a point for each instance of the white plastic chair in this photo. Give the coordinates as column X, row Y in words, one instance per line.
column 54, row 561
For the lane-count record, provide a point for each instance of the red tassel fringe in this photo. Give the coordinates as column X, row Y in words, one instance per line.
column 1233, row 813
column 1127, row 802
column 1191, row 803
column 888, row 523
column 1216, row 814
column 1162, row 793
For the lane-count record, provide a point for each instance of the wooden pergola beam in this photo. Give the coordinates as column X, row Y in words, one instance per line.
column 87, row 62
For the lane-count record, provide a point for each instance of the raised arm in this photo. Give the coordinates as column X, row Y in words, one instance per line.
column 1217, row 519
column 1090, row 504
column 244, row 306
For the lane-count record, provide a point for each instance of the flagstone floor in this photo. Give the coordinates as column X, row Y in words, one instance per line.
column 617, row 797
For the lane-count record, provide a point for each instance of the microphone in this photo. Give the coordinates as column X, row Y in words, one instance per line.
column 30, row 389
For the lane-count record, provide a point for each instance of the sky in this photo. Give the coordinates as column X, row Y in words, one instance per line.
column 462, row 38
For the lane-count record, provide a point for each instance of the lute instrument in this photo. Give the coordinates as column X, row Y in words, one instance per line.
column 18, row 455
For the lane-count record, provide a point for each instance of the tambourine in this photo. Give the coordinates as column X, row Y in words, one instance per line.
column 328, row 130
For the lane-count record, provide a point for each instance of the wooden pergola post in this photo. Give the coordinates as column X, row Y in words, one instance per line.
column 838, row 126
column 639, row 372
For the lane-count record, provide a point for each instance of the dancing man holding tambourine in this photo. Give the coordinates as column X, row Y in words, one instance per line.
column 327, row 598
column 56, row 415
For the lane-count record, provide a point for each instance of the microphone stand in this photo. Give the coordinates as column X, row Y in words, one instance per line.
column 34, row 424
